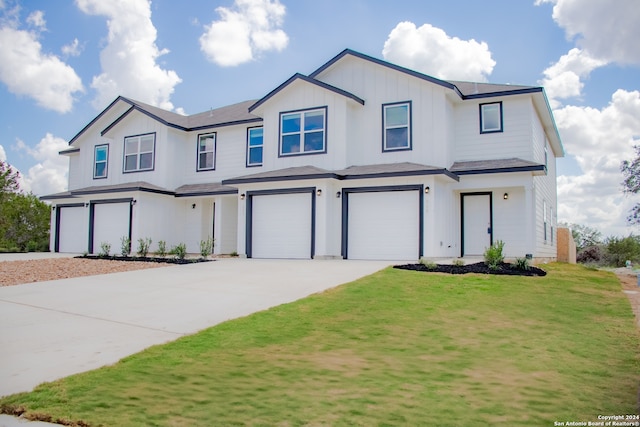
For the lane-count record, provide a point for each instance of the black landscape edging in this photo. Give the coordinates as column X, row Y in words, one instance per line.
column 480, row 267
column 159, row 260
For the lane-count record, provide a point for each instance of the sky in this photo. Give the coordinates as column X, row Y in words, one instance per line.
column 63, row 62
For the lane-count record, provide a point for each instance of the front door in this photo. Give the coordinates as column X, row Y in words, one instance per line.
column 477, row 223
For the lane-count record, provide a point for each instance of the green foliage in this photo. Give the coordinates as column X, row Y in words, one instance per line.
column 105, row 249
column 162, row 248
column 619, row 250
column 493, row 256
column 9, row 180
column 234, row 254
column 180, row 251
column 125, row 245
column 206, row 247
column 429, row 264
column 522, row 264
column 458, row 262
column 143, row 247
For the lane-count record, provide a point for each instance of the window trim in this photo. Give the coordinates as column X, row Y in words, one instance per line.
column 124, row 154
column 95, row 161
column 409, row 127
column 325, row 111
column 501, row 118
column 215, row 149
column 249, row 147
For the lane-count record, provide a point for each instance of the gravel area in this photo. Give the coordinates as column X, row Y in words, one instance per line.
column 19, row 272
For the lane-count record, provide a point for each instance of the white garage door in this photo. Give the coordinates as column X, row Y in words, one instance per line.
column 281, row 226
column 110, row 224
column 74, row 230
column 384, row 225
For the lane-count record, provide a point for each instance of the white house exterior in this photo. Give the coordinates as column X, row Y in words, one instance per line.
column 362, row 159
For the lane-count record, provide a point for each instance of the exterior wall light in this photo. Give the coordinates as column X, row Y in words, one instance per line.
column 319, row 192
column 426, row 190
column 133, row 202
column 506, row 196
column 242, row 196
column 338, row 194
column 193, row 206
column 53, row 208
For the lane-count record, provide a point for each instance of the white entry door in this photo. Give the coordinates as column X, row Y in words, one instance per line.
column 281, row 226
column 384, row 225
column 476, row 223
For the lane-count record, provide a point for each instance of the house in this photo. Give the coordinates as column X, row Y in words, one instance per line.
column 361, row 159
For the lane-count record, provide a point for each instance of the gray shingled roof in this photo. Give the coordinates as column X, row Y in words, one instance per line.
column 388, row 169
column 118, row 188
column 495, row 166
column 293, row 173
column 212, row 188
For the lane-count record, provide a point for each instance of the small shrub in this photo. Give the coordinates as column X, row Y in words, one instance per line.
column 105, row 249
column 591, row 255
column 180, row 251
column 234, row 254
column 143, row 247
column 206, row 247
column 428, row 264
column 162, row 248
column 125, row 245
column 493, row 256
column 522, row 264
column 458, row 262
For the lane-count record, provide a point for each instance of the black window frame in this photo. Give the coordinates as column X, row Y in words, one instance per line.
column 95, row 161
column 409, row 147
column 501, row 117
column 249, row 147
column 138, row 154
column 214, row 152
column 325, row 111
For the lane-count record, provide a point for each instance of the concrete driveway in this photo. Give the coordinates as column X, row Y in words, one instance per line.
column 54, row 329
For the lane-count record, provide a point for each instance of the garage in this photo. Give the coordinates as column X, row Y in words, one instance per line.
column 281, row 224
column 72, row 229
column 383, row 224
column 110, row 222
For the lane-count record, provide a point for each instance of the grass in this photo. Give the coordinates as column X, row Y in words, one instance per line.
column 394, row 348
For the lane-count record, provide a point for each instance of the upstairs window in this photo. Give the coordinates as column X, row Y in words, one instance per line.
column 303, row 132
column 139, row 152
column 254, row 146
column 207, row 152
column 396, row 122
column 491, row 117
column 100, row 161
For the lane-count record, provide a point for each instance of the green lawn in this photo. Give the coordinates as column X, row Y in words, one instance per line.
column 394, row 348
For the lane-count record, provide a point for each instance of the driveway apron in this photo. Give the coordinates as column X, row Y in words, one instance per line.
column 54, row 329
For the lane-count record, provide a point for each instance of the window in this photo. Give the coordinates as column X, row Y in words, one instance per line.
column 139, row 152
column 207, row 152
column 491, row 117
column 552, row 222
column 544, row 218
column 303, row 132
column 100, row 161
column 254, row 146
column 396, row 123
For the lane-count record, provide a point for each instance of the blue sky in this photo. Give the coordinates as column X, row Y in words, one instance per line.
column 62, row 62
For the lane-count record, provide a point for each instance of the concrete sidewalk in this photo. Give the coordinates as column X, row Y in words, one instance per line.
column 54, row 329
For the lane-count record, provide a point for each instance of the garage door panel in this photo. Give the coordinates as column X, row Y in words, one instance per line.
column 281, row 226
column 73, row 230
column 384, row 225
column 110, row 224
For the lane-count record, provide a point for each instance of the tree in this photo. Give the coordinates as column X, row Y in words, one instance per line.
column 631, row 183
column 584, row 236
column 24, row 219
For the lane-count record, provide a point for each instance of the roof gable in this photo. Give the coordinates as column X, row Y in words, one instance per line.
column 310, row 80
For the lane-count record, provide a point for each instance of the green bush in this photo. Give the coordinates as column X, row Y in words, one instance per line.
column 143, row 247
column 493, row 256
column 522, row 264
column 105, row 249
column 162, row 248
column 180, row 251
column 125, row 245
column 429, row 265
column 619, row 250
column 206, row 247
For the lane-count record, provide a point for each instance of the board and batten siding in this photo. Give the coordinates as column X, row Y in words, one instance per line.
column 513, row 141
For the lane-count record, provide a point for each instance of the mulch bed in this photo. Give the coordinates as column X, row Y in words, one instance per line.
column 169, row 260
column 480, row 267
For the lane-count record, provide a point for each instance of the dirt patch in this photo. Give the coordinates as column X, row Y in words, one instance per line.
column 629, row 282
column 20, row 272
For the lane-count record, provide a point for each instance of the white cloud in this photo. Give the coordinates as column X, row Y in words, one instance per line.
column 26, row 70
column 251, row 28
column 37, row 20
column 72, row 49
column 129, row 66
column 564, row 78
column 430, row 50
column 607, row 30
column 3, row 154
column 587, row 135
column 49, row 174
